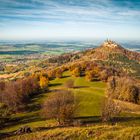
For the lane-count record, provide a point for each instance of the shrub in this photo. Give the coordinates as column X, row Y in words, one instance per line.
column 60, row 106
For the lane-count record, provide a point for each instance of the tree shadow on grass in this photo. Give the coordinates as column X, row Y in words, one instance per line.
column 76, row 87
column 98, row 120
column 23, row 120
column 125, row 119
column 34, row 104
column 56, row 84
column 89, row 119
column 31, row 114
column 19, row 121
column 66, row 76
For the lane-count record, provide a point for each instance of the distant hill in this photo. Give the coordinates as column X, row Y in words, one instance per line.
column 109, row 48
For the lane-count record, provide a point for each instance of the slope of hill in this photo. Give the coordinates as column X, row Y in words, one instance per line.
column 90, row 95
column 110, row 47
column 112, row 54
column 109, row 53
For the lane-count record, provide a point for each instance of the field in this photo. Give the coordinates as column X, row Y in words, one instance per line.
column 89, row 96
column 16, row 52
column 85, row 92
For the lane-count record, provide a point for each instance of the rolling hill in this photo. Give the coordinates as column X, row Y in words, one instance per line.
column 89, row 94
column 110, row 47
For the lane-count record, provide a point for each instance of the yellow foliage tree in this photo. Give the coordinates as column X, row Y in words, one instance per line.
column 76, row 72
column 89, row 75
column 43, row 82
column 96, row 70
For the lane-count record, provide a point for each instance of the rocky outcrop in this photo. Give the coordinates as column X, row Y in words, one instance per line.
column 23, row 130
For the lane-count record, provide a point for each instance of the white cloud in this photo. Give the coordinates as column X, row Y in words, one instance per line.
column 52, row 18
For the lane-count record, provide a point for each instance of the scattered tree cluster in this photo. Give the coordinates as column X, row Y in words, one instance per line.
column 124, row 88
column 16, row 94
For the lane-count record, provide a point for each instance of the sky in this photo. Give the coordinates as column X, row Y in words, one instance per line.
column 69, row 19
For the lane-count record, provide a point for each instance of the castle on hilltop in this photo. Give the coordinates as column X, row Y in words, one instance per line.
column 110, row 44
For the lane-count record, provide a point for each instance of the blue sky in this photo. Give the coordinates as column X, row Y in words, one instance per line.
column 69, row 19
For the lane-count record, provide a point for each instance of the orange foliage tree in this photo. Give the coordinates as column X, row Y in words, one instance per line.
column 76, row 72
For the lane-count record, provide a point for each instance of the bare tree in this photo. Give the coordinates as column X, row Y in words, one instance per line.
column 15, row 94
column 109, row 109
column 124, row 88
column 69, row 83
column 60, row 106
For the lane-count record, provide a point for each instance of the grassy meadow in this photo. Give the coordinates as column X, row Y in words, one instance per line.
column 89, row 96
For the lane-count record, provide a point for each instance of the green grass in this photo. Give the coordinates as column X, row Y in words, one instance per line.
column 89, row 96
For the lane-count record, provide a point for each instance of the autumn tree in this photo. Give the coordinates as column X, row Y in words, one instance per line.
column 109, row 110
column 124, row 88
column 16, row 94
column 51, row 74
column 12, row 97
column 76, row 72
column 35, row 75
column 29, row 86
column 60, row 106
column 104, row 75
column 96, row 70
column 44, row 81
column 44, row 73
column 2, row 85
column 89, row 75
column 58, row 73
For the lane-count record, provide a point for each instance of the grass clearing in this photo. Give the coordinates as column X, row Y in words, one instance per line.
column 88, row 94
